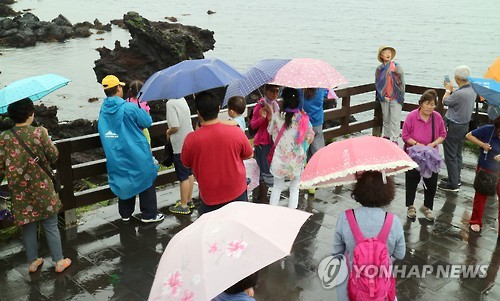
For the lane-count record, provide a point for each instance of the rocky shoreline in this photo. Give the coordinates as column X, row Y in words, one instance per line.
column 153, row 46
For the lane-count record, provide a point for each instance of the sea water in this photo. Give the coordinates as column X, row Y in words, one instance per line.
column 431, row 38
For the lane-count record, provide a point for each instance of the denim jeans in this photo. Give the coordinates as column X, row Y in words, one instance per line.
column 260, row 155
column 318, row 142
column 52, row 236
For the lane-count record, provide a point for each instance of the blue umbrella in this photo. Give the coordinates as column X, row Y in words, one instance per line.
column 34, row 88
column 262, row 72
column 487, row 88
column 188, row 77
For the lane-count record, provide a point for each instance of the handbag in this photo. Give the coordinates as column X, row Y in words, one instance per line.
column 48, row 171
column 485, row 182
column 168, row 154
column 5, row 207
column 271, row 151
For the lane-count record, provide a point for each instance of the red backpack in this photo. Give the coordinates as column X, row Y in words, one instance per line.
column 370, row 276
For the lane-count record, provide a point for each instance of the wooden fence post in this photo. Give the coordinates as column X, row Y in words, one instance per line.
column 377, row 120
column 64, row 167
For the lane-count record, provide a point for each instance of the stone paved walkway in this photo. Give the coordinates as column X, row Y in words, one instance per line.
column 113, row 260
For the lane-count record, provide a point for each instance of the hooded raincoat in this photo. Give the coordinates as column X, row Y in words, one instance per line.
column 129, row 161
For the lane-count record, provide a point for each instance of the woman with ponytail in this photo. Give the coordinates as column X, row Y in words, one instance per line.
column 292, row 133
column 133, row 97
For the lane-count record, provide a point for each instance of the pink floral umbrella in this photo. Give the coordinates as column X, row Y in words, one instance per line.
column 253, row 173
column 308, row 73
column 222, row 247
column 338, row 163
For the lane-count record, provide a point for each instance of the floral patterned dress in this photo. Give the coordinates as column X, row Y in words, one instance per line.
column 289, row 156
column 31, row 189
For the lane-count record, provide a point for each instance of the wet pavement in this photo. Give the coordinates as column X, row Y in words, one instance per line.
column 115, row 260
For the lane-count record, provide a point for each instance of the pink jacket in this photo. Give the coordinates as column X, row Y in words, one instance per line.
column 260, row 124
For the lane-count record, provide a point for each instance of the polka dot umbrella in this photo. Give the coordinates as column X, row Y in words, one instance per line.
column 34, row 88
column 308, row 73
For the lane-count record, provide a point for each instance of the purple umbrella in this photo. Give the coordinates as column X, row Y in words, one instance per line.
column 262, row 72
column 428, row 159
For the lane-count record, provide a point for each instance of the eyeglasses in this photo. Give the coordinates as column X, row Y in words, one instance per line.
column 275, row 90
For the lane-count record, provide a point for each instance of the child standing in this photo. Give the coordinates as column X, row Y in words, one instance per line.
column 236, row 107
column 292, row 134
column 132, row 93
column 373, row 193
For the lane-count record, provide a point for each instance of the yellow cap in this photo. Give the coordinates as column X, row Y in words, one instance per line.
column 111, row 81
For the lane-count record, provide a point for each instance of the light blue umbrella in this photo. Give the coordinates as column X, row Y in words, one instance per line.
column 257, row 75
column 188, row 77
column 487, row 88
column 34, row 88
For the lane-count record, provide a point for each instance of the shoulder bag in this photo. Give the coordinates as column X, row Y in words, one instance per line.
column 168, row 154
column 48, row 171
column 271, row 152
column 486, row 181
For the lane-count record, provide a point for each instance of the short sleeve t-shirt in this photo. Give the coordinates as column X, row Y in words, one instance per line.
column 487, row 161
column 240, row 120
column 179, row 116
column 215, row 153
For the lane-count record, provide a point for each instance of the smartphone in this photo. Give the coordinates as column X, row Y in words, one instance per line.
column 447, row 78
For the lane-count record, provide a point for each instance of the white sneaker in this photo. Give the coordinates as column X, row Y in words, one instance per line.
column 158, row 218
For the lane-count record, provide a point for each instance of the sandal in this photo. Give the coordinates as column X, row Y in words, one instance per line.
column 412, row 212
column 475, row 228
column 62, row 264
column 35, row 265
column 427, row 213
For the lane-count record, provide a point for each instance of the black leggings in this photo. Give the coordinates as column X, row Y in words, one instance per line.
column 412, row 178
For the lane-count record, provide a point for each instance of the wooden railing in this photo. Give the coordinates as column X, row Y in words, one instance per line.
column 346, row 108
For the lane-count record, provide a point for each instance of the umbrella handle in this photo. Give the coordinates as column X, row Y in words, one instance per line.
column 139, row 100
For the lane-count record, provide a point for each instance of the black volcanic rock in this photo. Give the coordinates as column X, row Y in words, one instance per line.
column 7, row 11
column 27, row 30
column 154, row 46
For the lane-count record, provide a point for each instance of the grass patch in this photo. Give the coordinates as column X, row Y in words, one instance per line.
column 10, row 233
column 472, row 147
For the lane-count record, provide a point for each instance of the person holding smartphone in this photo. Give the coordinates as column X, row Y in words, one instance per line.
column 460, row 104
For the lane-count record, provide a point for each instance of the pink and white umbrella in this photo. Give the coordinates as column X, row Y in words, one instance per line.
column 308, row 73
column 253, row 172
column 337, row 163
column 222, row 247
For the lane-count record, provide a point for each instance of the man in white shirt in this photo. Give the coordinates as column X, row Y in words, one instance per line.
column 179, row 125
